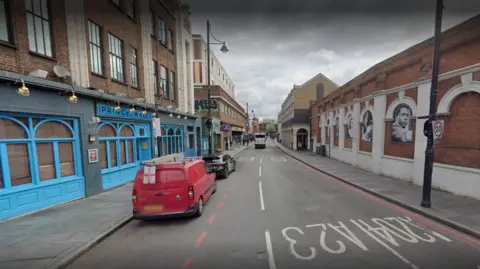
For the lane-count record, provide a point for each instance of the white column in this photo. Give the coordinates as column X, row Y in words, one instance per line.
column 322, row 128
column 379, row 110
column 77, row 42
column 341, row 138
column 147, row 55
column 356, row 130
column 423, row 97
column 330, row 131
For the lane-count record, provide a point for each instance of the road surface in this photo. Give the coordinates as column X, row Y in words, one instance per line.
column 275, row 212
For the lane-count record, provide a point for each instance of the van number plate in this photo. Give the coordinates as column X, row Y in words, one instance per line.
column 153, row 208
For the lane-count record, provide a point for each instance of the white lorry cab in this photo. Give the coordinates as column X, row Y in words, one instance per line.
column 260, row 140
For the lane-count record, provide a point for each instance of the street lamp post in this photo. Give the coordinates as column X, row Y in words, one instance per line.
column 432, row 115
column 209, row 115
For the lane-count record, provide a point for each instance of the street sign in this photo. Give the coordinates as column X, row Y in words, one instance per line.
column 156, row 127
column 438, row 128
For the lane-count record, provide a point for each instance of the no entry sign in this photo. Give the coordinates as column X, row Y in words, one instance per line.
column 438, row 129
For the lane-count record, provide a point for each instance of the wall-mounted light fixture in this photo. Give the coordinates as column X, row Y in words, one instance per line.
column 73, row 98
column 132, row 109
column 117, row 108
column 24, row 91
column 178, row 117
column 186, row 118
column 144, row 112
column 91, row 138
column 171, row 115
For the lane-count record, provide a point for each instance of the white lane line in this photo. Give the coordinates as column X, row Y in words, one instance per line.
column 413, row 266
column 260, row 171
column 262, row 204
column 441, row 236
column 271, row 260
column 261, row 160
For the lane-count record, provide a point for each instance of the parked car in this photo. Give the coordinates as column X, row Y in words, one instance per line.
column 222, row 164
column 179, row 189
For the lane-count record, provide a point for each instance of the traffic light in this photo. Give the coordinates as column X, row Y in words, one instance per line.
column 208, row 123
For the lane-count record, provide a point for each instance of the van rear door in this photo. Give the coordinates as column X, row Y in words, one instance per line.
column 161, row 197
column 176, row 190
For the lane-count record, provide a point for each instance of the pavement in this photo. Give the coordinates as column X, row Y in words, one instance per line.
column 277, row 212
column 53, row 237
column 459, row 212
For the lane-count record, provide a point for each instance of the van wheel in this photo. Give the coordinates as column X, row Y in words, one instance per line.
column 226, row 172
column 200, row 208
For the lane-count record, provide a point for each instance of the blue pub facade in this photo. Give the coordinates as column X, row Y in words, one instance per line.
column 53, row 151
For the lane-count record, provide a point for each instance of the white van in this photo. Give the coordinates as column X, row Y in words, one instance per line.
column 260, row 140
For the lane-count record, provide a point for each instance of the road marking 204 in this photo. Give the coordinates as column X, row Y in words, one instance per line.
column 389, row 229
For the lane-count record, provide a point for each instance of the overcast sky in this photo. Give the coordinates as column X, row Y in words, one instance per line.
column 275, row 44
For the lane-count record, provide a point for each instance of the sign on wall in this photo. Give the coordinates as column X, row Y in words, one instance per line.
column 92, row 155
column 156, row 127
column 202, row 104
column 104, row 110
column 438, row 127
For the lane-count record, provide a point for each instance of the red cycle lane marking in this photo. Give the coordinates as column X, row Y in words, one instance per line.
column 419, row 218
column 211, row 219
column 225, row 196
column 200, row 239
column 219, row 205
column 186, row 263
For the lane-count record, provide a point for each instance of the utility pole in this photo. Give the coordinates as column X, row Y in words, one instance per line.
column 432, row 115
column 248, row 121
column 210, row 125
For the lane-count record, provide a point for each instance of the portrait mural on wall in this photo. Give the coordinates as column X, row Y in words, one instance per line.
column 367, row 126
column 350, row 133
column 402, row 124
column 337, row 127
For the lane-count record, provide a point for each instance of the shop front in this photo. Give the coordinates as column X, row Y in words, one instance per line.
column 40, row 150
column 237, row 133
column 124, row 142
column 226, row 135
column 178, row 135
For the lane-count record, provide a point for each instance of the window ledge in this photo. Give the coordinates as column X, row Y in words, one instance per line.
column 119, row 82
column 132, row 19
column 42, row 56
column 98, row 75
column 135, row 88
column 9, row 45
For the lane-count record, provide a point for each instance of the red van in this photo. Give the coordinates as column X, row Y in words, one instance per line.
column 180, row 189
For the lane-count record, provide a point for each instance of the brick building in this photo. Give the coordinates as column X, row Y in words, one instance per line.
column 372, row 121
column 294, row 116
column 97, row 73
column 231, row 115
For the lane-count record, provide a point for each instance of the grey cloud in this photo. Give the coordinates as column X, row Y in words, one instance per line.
column 276, row 44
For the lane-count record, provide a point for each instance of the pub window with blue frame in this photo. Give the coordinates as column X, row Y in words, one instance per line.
column 171, row 140
column 117, row 145
column 37, row 149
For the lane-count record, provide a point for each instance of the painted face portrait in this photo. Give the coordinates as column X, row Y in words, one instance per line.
column 401, row 128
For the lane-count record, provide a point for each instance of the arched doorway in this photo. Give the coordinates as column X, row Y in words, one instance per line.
column 302, row 136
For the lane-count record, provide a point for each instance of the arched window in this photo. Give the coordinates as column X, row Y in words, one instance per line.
column 117, row 145
column 178, row 136
column 126, row 144
column 50, row 165
column 108, row 148
column 16, row 153
column 35, row 149
column 171, row 140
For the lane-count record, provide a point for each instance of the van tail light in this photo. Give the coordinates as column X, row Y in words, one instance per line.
column 191, row 193
column 134, row 196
